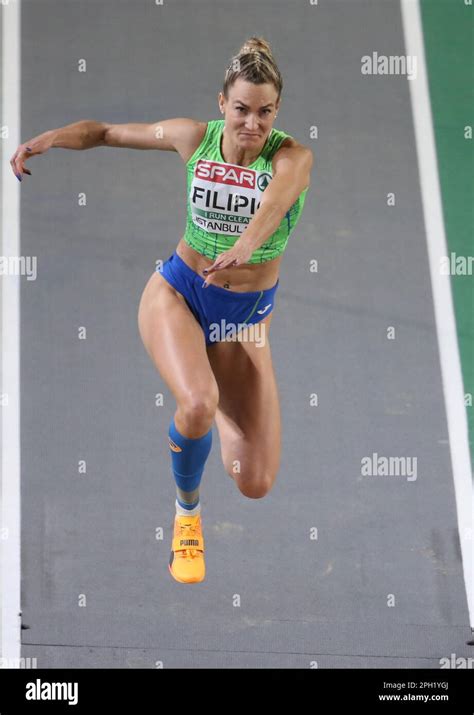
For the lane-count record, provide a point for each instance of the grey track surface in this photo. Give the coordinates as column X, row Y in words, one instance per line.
column 93, row 534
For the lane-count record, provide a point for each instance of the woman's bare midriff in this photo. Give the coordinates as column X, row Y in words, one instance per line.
column 249, row 277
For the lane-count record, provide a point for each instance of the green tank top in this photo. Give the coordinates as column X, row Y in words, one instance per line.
column 222, row 197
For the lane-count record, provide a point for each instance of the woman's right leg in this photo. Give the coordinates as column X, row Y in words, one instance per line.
column 175, row 342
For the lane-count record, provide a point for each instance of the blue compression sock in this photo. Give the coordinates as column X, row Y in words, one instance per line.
column 188, row 457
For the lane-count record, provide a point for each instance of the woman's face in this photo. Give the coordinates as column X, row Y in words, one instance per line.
column 249, row 112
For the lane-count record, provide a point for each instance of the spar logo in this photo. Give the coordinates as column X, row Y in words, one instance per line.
column 229, row 174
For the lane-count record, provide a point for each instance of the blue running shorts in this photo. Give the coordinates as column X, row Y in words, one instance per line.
column 220, row 312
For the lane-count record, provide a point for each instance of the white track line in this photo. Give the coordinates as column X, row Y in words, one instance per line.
column 442, row 297
column 10, row 580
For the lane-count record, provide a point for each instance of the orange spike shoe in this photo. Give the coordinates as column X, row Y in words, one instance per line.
column 186, row 563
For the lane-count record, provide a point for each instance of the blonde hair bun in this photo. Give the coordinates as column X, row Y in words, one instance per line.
column 253, row 63
column 256, row 44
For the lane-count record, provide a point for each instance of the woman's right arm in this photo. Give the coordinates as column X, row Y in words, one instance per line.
column 169, row 135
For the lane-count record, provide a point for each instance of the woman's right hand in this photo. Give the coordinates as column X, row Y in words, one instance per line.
column 37, row 145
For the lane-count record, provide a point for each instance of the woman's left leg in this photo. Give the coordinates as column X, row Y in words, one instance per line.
column 248, row 413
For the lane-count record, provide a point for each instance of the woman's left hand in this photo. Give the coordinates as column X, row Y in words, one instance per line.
column 235, row 256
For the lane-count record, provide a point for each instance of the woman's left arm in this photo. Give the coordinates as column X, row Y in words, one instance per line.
column 291, row 174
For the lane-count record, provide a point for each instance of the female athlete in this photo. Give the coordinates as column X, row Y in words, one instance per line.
column 204, row 316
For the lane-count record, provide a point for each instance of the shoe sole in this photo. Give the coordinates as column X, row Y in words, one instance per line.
column 198, row 580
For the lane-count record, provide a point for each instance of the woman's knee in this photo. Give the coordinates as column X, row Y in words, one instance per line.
column 196, row 410
column 255, row 484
